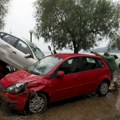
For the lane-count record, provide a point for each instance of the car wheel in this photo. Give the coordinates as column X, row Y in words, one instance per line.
column 103, row 88
column 37, row 103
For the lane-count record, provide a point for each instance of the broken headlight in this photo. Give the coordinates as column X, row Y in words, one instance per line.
column 16, row 88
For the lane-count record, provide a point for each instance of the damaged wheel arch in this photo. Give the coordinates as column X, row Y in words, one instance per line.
column 37, row 102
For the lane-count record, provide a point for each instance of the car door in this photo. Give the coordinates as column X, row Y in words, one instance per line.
column 91, row 71
column 7, row 43
column 19, row 55
column 66, row 86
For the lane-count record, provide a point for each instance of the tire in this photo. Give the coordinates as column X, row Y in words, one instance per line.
column 103, row 88
column 37, row 103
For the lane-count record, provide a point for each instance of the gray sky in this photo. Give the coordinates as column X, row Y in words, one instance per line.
column 20, row 19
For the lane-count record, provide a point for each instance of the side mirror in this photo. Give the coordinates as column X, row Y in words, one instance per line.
column 28, row 56
column 60, row 74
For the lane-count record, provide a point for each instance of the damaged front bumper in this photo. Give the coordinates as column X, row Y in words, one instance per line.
column 14, row 101
column 7, row 102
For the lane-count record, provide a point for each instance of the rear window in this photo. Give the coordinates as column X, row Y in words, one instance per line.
column 8, row 38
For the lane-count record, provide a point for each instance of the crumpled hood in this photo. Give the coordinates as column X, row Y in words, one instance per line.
column 19, row 76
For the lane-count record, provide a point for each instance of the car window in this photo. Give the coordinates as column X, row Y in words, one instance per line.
column 89, row 63
column 23, row 47
column 100, row 63
column 38, row 53
column 70, row 66
column 8, row 38
column 91, row 60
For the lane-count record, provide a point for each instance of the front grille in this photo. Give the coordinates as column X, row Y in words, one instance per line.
column 2, row 89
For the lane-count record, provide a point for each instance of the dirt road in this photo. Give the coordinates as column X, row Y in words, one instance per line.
column 82, row 108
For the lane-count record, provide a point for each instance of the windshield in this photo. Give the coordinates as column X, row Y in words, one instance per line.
column 43, row 66
column 38, row 53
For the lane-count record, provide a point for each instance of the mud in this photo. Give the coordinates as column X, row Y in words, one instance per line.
column 90, row 107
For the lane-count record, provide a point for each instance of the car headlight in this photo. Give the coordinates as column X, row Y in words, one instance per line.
column 16, row 88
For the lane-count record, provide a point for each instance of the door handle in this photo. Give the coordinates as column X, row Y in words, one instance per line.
column 14, row 52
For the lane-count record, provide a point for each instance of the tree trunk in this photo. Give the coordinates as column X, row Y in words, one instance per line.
column 76, row 50
column 75, row 47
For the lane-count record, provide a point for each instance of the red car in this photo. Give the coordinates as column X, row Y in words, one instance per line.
column 55, row 78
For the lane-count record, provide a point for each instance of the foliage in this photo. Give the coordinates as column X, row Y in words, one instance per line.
column 114, row 41
column 116, row 44
column 76, row 24
column 3, row 11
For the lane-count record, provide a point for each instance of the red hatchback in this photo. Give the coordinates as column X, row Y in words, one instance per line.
column 54, row 78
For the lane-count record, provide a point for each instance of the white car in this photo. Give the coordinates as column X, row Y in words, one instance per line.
column 17, row 52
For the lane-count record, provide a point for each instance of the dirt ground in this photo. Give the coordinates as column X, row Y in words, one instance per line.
column 90, row 107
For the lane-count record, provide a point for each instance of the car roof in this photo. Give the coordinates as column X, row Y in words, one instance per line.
column 23, row 39
column 68, row 55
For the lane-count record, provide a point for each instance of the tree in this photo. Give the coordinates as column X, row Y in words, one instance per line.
column 115, row 42
column 3, row 11
column 76, row 24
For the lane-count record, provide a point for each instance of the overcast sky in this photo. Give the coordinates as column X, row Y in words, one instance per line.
column 20, row 19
